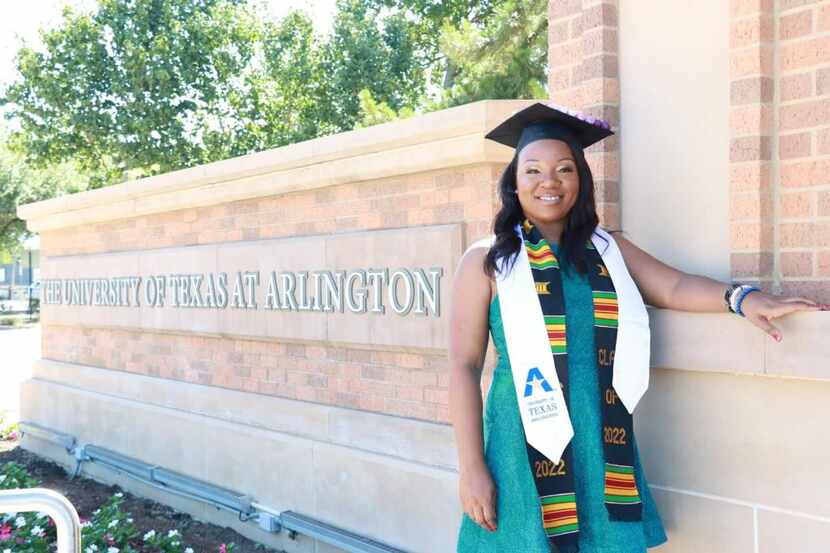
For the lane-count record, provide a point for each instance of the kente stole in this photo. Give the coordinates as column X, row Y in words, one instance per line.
column 554, row 481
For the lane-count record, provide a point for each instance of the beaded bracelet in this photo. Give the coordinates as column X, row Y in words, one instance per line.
column 733, row 298
column 729, row 295
column 726, row 297
column 744, row 293
column 735, row 294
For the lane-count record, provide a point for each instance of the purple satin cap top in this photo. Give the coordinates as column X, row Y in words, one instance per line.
column 602, row 123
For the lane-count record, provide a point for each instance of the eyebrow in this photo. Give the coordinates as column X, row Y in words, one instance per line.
column 563, row 159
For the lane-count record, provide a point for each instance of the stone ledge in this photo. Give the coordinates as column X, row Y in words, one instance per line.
column 411, row 440
column 340, row 484
column 726, row 343
column 448, row 138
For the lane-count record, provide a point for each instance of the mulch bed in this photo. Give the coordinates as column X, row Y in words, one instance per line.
column 87, row 495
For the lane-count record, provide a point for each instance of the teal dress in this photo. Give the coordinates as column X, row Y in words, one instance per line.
column 519, row 524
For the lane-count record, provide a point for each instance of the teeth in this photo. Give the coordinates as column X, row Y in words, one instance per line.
column 550, row 198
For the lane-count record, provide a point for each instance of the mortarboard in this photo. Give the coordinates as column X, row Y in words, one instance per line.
column 549, row 120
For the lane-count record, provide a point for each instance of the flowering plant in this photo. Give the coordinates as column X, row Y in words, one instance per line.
column 8, row 431
column 13, row 476
column 110, row 530
column 165, row 543
column 23, row 532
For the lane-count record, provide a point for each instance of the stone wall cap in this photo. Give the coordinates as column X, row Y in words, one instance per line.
column 335, row 159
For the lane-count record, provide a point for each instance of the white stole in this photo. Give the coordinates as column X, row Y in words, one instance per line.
column 544, row 413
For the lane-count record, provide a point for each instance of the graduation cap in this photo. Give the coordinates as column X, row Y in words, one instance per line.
column 549, row 120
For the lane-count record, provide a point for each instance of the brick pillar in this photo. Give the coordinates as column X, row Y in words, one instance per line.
column 582, row 57
column 780, row 145
column 751, row 51
column 803, row 124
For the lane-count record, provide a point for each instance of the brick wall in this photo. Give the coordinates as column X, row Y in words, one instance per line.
column 465, row 195
column 400, row 383
column 779, row 185
column 750, row 156
column 780, row 143
column 406, row 383
column 803, row 84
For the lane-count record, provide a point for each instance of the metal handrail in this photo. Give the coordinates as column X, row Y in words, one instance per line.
column 53, row 504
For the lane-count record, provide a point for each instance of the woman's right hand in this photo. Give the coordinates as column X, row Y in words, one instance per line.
column 478, row 495
column 468, row 327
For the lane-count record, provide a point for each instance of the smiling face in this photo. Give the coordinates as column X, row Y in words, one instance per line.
column 547, row 182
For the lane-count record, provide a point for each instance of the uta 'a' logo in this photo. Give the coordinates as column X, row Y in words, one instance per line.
column 533, row 375
column 603, row 271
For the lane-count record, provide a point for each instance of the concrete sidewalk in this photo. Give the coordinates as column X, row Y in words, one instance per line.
column 19, row 348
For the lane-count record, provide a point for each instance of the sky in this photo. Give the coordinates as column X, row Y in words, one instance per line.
column 24, row 21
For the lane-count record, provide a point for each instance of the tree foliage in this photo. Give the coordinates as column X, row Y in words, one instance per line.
column 21, row 184
column 480, row 50
column 280, row 99
column 138, row 88
column 506, row 57
column 372, row 51
column 427, row 18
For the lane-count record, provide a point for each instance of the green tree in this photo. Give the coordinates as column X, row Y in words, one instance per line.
column 374, row 112
column 282, row 100
column 21, row 184
column 373, row 51
column 506, row 57
column 479, row 50
column 139, row 86
column 305, row 86
column 427, row 18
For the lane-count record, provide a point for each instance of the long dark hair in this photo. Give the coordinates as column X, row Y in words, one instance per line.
column 581, row 220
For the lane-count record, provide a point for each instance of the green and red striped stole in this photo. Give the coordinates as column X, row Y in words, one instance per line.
column 620, row 486
column 559, row 514
column 555, row 481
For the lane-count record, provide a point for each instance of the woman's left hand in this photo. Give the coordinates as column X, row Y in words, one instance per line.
column 760, row 308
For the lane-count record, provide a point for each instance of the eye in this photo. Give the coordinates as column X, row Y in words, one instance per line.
column 531, row 169
column 567, row 169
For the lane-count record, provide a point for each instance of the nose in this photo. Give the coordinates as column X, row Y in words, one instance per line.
column 554, row 175
column 551, row 179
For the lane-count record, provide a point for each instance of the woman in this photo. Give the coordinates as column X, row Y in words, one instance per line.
column 558, row 469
